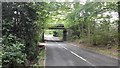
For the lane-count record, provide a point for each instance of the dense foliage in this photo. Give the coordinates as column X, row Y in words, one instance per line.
column 94, row 23
column 91, row 22
column 119, row 26
column 23, row 23
column 21, row 28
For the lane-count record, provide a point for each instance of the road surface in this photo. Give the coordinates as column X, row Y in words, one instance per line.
column 64, row 54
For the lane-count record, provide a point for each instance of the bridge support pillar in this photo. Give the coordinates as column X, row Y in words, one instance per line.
column 64, row 35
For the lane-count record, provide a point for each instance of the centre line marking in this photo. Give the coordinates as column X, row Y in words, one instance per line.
column 62, row 46
column 81, row 58
column 76, row 54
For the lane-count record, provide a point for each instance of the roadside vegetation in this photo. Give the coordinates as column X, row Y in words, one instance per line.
column 21, row 29
column 95, row 26
column 92, row 24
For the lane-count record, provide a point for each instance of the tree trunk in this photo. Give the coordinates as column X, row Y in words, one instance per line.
column 119, row 25
column 89, row 32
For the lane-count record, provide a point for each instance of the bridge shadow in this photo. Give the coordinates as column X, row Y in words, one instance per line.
column 53, row 40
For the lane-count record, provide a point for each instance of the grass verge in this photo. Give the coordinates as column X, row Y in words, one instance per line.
column 105, row 50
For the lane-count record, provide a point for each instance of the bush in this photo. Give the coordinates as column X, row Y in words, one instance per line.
column 20, row 33
column 12, row 51
column 104, row 39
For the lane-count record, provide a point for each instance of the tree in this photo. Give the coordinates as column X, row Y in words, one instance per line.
column 92, row 22
column 22, row 26
column 119, row 25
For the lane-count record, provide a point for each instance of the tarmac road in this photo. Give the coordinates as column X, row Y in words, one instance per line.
column 64, row 54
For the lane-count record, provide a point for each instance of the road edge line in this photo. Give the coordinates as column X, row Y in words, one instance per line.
column 94, row 51
column 81, row 58
column 76, row 55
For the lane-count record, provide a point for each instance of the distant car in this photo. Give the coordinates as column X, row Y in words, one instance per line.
column 55, row 34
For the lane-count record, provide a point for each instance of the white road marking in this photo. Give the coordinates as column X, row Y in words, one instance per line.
column 81, row 58
column 61, row 46
column 76, row 54
column 58, row 44
column 65, row 48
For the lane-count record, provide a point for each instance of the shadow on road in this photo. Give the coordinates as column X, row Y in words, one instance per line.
column 54, row 40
